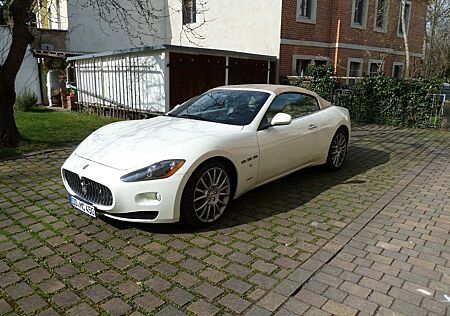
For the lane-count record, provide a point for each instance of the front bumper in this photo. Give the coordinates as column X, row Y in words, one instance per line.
column 131, row 201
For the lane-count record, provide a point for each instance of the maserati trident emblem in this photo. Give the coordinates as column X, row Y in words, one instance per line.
column 83, row 186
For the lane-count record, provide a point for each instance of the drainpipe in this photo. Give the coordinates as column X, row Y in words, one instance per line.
column 227, row 69
column 336, row 52
column 40, row 79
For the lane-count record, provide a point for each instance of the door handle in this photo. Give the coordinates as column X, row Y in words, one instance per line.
column 312, row 126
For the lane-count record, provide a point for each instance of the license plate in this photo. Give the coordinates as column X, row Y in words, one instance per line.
column 83, row 206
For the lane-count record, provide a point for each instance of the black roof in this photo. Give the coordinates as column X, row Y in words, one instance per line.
column 174, row 48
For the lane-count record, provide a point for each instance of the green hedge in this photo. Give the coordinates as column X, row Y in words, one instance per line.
column 379, row 99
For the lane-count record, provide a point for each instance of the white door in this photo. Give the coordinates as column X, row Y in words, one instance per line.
column 284, row 148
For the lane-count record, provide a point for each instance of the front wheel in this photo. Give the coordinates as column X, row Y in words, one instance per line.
column 207, row 195
column 337, row 151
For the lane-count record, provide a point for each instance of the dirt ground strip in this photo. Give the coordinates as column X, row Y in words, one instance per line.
column 371, row 238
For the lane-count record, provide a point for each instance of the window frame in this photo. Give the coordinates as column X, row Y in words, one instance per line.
column 262, row 127
column 363, row 24
column 311, row 62
column 313, row 12
column 354, row 60
column 191, row 16
column 384, row 28
column 375, row 61
column 306, row 57
column 407, row 18
column 398, row 63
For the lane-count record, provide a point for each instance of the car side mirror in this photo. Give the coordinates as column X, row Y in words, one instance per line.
column 281, row 119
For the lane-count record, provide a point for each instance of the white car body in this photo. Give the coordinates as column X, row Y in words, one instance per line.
column 257, row 156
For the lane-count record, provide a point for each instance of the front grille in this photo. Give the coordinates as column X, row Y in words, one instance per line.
column 88, row 190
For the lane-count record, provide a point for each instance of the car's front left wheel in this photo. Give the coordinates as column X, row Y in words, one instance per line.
column 206, row 195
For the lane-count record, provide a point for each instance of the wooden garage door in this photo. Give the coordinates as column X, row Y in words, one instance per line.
column 191, row 75
column 247, row 71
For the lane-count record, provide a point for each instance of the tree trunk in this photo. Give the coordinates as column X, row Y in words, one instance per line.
column 17, row 14
column 405, row 38
column 431, row 42
column 9, row 134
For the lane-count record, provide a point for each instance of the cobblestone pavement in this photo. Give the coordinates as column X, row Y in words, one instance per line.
column 371, row 238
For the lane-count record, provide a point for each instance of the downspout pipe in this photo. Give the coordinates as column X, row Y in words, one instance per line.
column 336, row 52
column 39, row 62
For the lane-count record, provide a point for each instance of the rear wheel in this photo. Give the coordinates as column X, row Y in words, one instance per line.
column 206, row 195
column 338, row 150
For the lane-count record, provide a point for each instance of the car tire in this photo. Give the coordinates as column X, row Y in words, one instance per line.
column 206, row 195
column 338, row 150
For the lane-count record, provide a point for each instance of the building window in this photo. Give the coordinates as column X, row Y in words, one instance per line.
column 397, row 70
column 359, row 13
column 407, row 9
column 189, row 11
column 375, row 67
column 301, row 66
column 306, row 11
column 320, row 63
column 381, row 15
column 354, row 70
column 304, row 8
column 300, row 63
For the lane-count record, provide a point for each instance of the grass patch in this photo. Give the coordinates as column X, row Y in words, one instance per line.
column 43, row 129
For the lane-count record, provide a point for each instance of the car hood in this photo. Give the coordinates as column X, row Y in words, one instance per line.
column 130, row 144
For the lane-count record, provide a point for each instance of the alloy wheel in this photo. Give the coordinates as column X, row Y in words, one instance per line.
column 338, row 150
column 211, row 194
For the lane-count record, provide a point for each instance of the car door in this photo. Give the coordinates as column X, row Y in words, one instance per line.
column 324, row 128
column 284, row 148
column 319, row 126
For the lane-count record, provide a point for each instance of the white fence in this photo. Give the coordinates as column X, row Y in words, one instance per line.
column 131, row 83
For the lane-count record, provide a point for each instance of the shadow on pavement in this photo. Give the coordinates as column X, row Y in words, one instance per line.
column 281, row 195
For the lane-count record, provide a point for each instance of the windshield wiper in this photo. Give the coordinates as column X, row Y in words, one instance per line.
column 194, row 117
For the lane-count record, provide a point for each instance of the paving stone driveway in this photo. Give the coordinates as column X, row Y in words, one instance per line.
column 372, row 238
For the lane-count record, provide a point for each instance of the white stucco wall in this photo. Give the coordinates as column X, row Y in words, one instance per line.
column 28, row 75
column 134, row 81
column 249, row 26
column 87, row 32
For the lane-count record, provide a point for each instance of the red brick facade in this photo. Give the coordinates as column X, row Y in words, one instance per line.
column 364, row 43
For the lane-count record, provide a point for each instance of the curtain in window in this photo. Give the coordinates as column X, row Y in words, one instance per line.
column 189, row 11
column 381, row 12
column 305, row 8
column 359, row 11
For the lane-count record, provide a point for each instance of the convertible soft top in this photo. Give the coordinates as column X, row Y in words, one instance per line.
column 279, row 89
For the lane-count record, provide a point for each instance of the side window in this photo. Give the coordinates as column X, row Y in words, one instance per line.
column 311, row 104
column 294, row 104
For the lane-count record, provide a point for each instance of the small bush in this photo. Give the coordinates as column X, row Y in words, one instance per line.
column 26, row 101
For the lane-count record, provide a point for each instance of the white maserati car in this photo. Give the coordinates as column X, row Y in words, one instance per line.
column 189, row 164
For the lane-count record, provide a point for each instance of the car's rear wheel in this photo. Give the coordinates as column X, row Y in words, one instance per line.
column 206, row 195
column 338, row 150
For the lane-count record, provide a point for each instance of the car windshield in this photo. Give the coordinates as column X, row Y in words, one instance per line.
column 235, row 107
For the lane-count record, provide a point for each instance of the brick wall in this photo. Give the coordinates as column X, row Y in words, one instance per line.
column 325, row 31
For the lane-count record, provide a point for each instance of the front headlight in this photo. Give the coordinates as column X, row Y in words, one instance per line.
column 159, row 170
